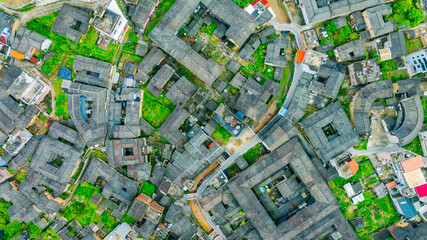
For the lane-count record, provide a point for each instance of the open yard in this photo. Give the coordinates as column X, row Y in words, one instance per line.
column 375, row 213
column 221, row 135
column 233, row 170
column 413, row 45
column 61, row 104
column 362, row 145
column 255, row 153
column 339, row 36
column 62, row 46
column 156, row 110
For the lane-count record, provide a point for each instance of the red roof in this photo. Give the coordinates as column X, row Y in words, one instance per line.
column 353, row 167
column 34, row 60
column 300, row 56
column 3, row 36
column 412, row 164
column 391, row 184
column 263, row 2
column 421, row 190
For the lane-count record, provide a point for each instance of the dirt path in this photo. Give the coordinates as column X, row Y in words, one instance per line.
column 202, row 175
column 281, row 16
column 197, row 212
column 267, row 117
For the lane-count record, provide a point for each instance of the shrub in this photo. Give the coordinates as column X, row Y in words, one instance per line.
column 324, row 41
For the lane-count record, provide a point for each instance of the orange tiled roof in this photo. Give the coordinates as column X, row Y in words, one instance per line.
column 412, row 164
column 385, row 54
column 156, row 206
column 353, row 166
column 145, row 198
column 391, row 184
column 300, row 56
column 18, row 55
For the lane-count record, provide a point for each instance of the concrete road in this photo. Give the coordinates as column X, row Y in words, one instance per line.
column 390, row 148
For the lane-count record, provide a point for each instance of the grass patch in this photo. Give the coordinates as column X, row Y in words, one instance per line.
column 255, row 153
column 162, row 9
column 61, row 104
column 83, row 212
column 101, row 155
column 221, row 135
column 148, row 188
column 21, row 176
column 78, row 171
column 413, row 45
column 156, row 110
column 415, row 146
column 109, row 221
column 424, row 104
column 363, row 145
column 86, row 191
column 129, row 219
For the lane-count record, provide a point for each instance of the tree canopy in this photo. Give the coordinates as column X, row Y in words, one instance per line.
column 406, row 13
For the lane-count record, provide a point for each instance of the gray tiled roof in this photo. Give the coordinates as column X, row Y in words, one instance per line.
column 153, row 58
column 326, row 146
column 376, row 20
column 353, row 50
column 274, row 55
column 116, row 152
column 241, row 26
column 119, row 186
column 181, row 91
column 155, row 86
column 309, row 222
column 93, row 130
column 413, row 117
column 314, row 13
column 364, row 100
column 329, row 82
column 170, row 128
column 91, row 71
column 69, row 16
column 26, row 38
column 142, row 11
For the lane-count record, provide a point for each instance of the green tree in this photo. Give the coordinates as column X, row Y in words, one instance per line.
column 344, row 91
column 373, row 53
column 324, row 41
column 331, row 27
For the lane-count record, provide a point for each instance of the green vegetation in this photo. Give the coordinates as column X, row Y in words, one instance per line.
column 413, row 45
column 61, row 104
column 373, row 53
column 83, row 212
column 339, row 36
column 101, row 155
column 243, row 3
column 162, row 9
column 424, row 103
column 209, row 29
column 233, row 170
column 406, row 13
column 129, row 219
column 148, row 188
column 415, row 146
column 43, row 117
column 78, row 171
column 324, row 41
column 15, row 228
column 109, row 221
column 221, row 135
column 27, row 7
column 375, row 213
column 156, row 110
column 363, row 145
column 308, row 111
column 255, row 153
column 259, row 64
column 86, row 191
column 63, row 47
column 21, row 176
column 133, row 37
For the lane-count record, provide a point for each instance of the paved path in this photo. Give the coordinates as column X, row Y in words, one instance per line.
column 296, row 31
column 389, row 148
